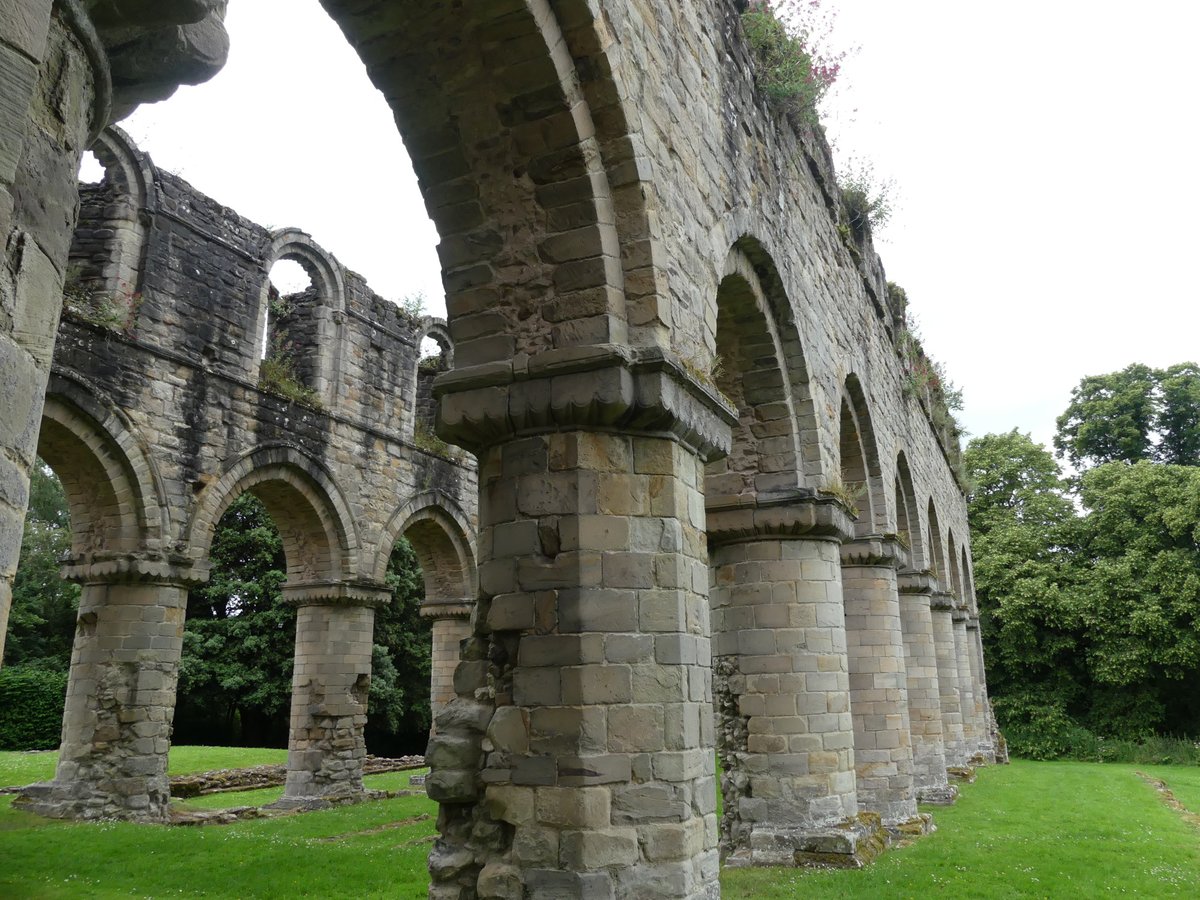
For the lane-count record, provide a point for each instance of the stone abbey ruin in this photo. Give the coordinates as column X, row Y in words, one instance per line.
column 709, row 509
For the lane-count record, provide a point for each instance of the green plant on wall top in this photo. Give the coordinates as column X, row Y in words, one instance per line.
column 114, row 311
column 277, row 375
column 784, row 37
column 867, row 199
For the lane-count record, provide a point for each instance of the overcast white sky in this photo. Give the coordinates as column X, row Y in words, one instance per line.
column 1046, row 154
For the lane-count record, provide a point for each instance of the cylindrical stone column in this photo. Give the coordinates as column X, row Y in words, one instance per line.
column 987, row 747
column 121, row 694
column 924, row 694
column 941, row 607
column 878, row 680
column 962, row 658
column 781, row 680
column 51, row 99
column 331, row 679
column 451, row 626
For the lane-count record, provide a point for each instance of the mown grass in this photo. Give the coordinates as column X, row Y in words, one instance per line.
column 1045, row 830
column 26, row 768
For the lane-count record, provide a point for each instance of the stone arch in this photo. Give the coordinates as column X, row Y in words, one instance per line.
column 908, row 516
column 755, row 370
column 968, row 581
column 320, row 541
column 113, row 491
column 860, row 470
column 517, row 138
column 108, row 255
column 443, row 540
column 955, row 573
column 937, row 552
column 420, row 408
column 314, row 328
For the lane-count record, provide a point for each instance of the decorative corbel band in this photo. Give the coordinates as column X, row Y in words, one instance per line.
column 800, row 515
column 941, row 600
column 917, row 583
column 337, row 593
column 77, row 19
column 874, row 550
column 136, row 568
column 605, row 387
column 460, row 609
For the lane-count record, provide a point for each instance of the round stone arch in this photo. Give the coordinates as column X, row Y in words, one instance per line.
column 444, row 541
column 968, row 582
column 108, row 255
column 329, row 281
column 937, row 548
column 514, row 120
column 861, row 474
column 320, row 542
column 760, row 367
column 908, row 515
column 115, row 494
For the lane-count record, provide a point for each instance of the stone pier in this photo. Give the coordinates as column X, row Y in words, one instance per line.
column 331, row 678
column 784, row 728
column 451, row 626
column 941, row 607
column 883, row 754
column 924, row 692
column 121, row 694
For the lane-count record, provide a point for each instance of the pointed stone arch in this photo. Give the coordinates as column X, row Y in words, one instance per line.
column 968, row 582
column 936, row 549
column 113, row 489
column 320, row 541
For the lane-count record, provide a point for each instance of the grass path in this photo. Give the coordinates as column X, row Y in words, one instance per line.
column 1044, row 830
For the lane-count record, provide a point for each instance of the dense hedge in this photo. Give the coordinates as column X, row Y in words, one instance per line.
column 31, row 707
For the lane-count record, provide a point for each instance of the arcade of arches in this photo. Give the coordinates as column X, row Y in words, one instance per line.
column 708, row 510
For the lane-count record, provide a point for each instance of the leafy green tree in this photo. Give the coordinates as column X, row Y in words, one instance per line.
column 44, row 607
column 235, row 674
column 1024, row 533
column 1136, row 414
column 1140, row 563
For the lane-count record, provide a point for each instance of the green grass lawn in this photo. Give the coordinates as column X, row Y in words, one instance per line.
column 1061, row 830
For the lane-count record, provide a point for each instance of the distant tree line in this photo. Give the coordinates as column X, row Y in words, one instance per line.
column 1089, row 583
column 235, row 677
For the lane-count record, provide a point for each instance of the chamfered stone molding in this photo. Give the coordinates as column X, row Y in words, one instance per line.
column 874, row 550
column 337, row 593
column 803, row 514
column 606, row 387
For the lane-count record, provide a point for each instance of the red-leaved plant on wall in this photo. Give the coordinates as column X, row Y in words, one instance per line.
column 794, row 67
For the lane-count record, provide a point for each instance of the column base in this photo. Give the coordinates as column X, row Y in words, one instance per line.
column 851, row 844
column 918, row 826
column 941, row 795
column 325, row 801
column 56, row 800
column 961, row 774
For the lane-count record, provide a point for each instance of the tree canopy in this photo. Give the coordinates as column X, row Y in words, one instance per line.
column 1089, row 588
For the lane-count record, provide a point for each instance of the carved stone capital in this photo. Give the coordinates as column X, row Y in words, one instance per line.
column 874, row 550
column 459, row 609
column 972, row 621
column 960, row 614
column 603, row 387
column 917, row 583
column 802, row 515
column 942, row 601
column 135, row 568
column 337, row 593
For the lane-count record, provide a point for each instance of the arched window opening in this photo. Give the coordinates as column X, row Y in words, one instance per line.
column 288, row 346
column 436, row 357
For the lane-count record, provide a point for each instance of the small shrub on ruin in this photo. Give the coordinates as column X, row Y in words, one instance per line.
column 791, row 68
column 114, row 311
column 277, row 375
column 866, row 199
